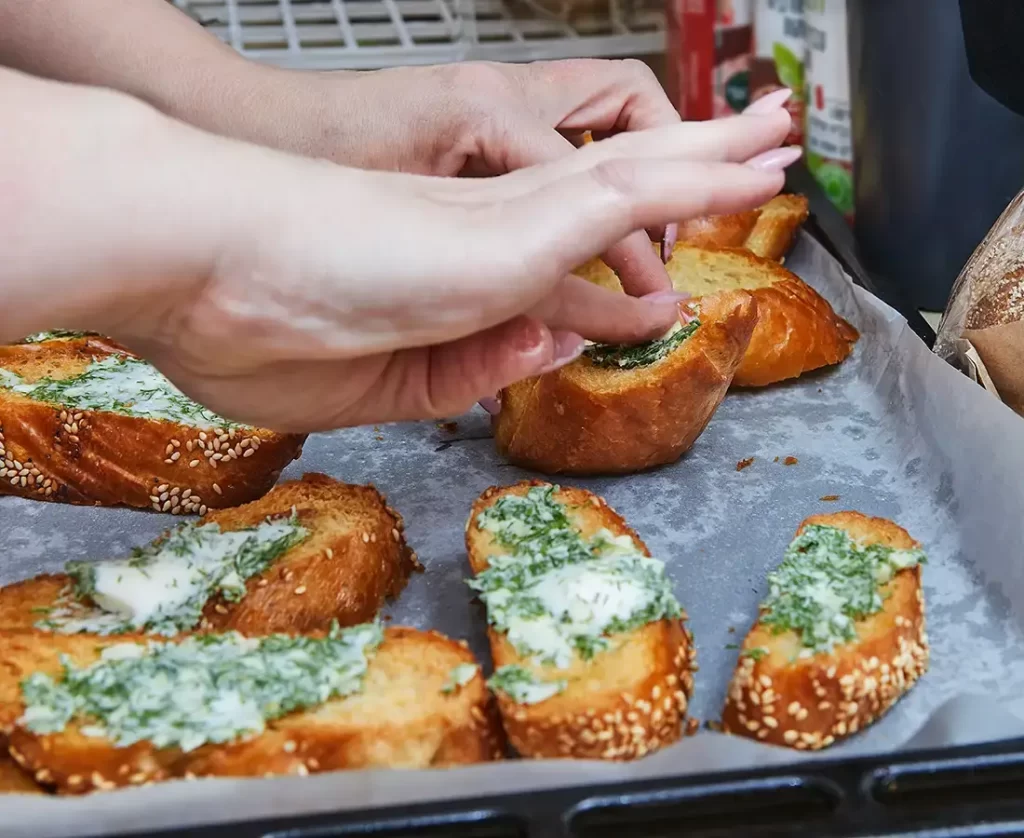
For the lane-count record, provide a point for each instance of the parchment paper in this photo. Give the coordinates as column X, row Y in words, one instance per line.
column 894, row 431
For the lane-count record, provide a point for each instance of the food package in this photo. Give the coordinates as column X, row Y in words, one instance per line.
column 828, row 129
column 982, row 330
column 708, row 50
column 778, row 59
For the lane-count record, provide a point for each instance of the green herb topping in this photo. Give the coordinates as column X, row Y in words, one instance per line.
column 557, row 595
column 459, row 677
column 118, row 384
column 754, row 653
column 522, row 687
column 163, row 588
column 55, row 334
column 628, row 357
column 826, row 582
column 207, row 688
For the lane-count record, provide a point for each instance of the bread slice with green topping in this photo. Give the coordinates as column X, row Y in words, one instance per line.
column 85, row 421
column 621, row 409
column 840, row 637
column 309, row 552
column 592, row 657
column 82, row 713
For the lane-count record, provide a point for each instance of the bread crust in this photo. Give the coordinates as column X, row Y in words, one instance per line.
column 768, row 231
column 583, row 419
column 354, row 558
column 401, row 719
column 625, row 702
column 91, row 457
column 811, row 703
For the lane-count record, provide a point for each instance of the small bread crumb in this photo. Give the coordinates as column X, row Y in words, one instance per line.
column 829, row 498
column 448, row 427
column 790, row 461
column 746, row 463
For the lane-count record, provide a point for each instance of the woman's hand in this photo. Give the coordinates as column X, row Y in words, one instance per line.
column 300, row 295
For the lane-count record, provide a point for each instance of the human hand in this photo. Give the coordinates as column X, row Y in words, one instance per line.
column 315, row 314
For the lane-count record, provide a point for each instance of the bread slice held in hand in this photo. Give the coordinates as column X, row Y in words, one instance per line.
column 82, row 713
column 840, row 638
column 592, row 658
column 310, row 552
column 84, row 421
column 620, row 409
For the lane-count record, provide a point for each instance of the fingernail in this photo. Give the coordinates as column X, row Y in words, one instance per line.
column 665, row 297
column 767, row 104
column 568, row 347
column 776, row 159
column 491, row 405
column 669, row 242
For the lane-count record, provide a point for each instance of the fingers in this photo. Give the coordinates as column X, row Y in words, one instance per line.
column 448, row 379
column 638, row 265
column 600, row 314
column 570, row 219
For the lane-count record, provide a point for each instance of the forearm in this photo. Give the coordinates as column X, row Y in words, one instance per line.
column 104, row 220
column 150, row 50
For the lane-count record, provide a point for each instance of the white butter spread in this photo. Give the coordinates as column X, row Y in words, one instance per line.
column 164, row 587
column 524, row 687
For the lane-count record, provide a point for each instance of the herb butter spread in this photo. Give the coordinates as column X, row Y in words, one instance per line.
column 626, row 357
column 118, row 384
column 826, row 582
column 55, row 334
column 522, row 687
column 207, row 688
column 556, row 594
column 163, row 588
column 459, row 677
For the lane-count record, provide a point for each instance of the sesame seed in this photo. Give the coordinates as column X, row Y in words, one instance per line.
column 765, row 681
column 289, row 747
column 366, row 538
column 193, row 463
column 74, row 779
column 299, row 591
column 824, row 705
column 163, row 487
column 216, row 488
column 802, row 714
column 752, row 725
column 794, row 708
column 220, row 609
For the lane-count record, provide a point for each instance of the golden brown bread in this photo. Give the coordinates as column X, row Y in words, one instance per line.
column 767, row 231
column 587, row 419
column 97, row 457
column 797, row 331
column 810, row 703
column 353, row 559
column 403, row 718
column 623, row 703
column 13, row 778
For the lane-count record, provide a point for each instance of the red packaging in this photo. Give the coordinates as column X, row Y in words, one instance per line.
column 709, row 47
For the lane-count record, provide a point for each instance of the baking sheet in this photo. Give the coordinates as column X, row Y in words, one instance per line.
column 893, row 432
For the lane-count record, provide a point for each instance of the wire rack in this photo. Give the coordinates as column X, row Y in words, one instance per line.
column 369, row 34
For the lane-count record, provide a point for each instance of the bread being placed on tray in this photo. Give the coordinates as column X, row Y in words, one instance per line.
column 768, row 231
column 620, row 409
column 592, row 658
column 840, row 638
column 310, row 552
column 84, row 421
column 797, row 331
column 84, row 713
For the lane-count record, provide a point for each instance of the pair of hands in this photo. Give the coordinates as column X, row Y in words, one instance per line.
column 303, row 295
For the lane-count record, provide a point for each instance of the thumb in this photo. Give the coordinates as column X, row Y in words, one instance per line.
column 475, row 367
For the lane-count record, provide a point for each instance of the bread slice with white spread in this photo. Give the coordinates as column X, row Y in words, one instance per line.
column 592, row 658
column 83, row 713
column 310, row 552
column 85, row 421
column 840, row 637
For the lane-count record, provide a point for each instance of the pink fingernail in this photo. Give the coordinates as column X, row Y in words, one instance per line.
column 767, row 104
column 568, row 347
column 669, row 242
column 491, row 405
column 776, row 159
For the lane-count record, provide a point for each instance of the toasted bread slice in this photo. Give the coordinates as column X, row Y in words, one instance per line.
column 354, row 557
column 810, row 702
column 622, row 703
column 56, row 451
column 588, row 419
column 405, row 716
column 768, row 231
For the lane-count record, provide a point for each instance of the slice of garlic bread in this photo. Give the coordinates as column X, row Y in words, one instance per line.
column 309, row 552
column 591, row 655
column 840, row 638
column 85, row 421
column 83, row 713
